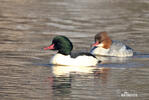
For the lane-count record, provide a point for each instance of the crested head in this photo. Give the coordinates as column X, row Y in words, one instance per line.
column 102, row 39
column 62, row 44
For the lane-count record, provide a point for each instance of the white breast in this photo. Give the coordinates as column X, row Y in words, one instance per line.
column 99, row 51
column 84, row 60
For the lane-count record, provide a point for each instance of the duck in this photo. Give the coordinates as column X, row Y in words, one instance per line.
column 104, row 46
column 65, row 57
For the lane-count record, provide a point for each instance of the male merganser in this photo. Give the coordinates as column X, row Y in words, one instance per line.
column 105, row 46
column 65, row 57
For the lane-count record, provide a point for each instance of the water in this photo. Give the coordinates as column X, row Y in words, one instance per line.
column 27, row 26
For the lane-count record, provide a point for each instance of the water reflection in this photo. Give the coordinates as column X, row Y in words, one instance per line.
column 107, row 59
column 60, row 85
column 66, row 78
column 67, row 70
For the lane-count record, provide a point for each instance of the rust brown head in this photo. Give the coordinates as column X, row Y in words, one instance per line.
column 100, row 37
column 103, row 38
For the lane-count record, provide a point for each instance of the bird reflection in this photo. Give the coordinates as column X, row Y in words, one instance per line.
column 107, row 59
column 66, row 77
column 68, row 70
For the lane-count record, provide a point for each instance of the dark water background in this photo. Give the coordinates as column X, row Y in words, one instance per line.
column 27, row 26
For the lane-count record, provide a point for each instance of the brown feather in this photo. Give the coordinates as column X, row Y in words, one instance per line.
column 102, row 37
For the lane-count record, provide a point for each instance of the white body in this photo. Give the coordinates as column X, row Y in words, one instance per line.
column 59, row 59
column 117, row 49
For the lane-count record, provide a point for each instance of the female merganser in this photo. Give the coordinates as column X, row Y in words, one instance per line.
column 65, row 57
column 105, row 46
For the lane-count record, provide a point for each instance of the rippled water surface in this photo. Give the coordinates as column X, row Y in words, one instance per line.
column 27, row 26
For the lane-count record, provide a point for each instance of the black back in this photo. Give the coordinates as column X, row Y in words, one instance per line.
column 75, row 55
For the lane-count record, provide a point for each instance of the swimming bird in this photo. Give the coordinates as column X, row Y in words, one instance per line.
column 105, row 46
column 64, row 56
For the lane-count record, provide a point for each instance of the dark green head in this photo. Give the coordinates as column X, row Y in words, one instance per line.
column 62, row 44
